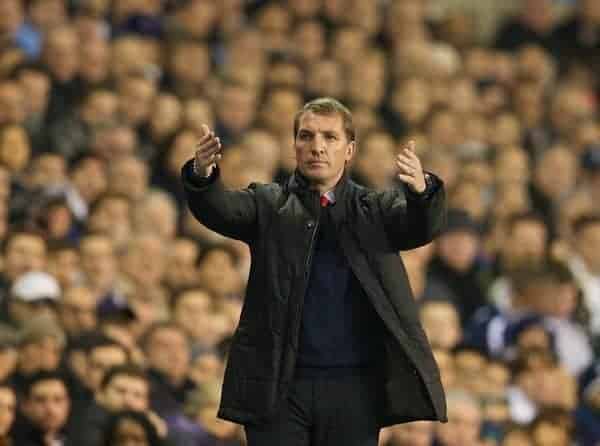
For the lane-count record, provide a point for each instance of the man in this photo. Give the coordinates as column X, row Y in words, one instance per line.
column 329, row 347
column 123, row 387
column 45, row 407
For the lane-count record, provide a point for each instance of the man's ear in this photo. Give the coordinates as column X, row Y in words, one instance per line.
column 350, row 150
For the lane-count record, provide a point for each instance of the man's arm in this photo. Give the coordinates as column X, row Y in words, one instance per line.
column 230, row 213
column 414, row 215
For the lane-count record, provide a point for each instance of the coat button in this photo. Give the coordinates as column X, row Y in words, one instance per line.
column 310, row 224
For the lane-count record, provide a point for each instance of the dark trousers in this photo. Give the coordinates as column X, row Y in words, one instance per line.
column 325, row 412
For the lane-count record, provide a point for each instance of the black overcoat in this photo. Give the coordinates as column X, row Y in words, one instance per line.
column 279, row 223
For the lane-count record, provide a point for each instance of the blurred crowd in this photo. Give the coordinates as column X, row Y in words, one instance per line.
column 116, row 306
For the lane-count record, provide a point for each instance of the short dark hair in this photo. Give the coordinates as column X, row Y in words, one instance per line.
column 127, row 369
column 110, row 429
column 328, row 106
column 526, row 216
column 43, row 375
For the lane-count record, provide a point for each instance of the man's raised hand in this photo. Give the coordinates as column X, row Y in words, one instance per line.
column 409, row 168
column 208, row 152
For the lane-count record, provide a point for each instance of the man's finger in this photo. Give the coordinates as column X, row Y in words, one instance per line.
column 406, row 178
column 406, row 167
column 411, row 145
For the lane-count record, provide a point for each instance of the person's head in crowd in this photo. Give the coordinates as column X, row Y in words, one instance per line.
column 128, row 176
column 87, row 175
column 411, row 100
column 41, row 343
column 167, row 349
column 46, row 403
column 60, row 53
column 586, row 241
column 98, row 262
column 324, row 79
column 525, row 242
column 201, row 406
column 8, row 408
column 156, row 213
column 52, row 217
column 33, row 294
column 196, row 112
column 441, row 323
column 99, row 106
column 236, row 107
column 103, row 353
column 545, row 179
column 464, row 420
column 310, row 41
column 284, row 72
column 180, row 270
column 517, row 435
column 570, row 105
column 112, row 140
column 143, row 260
column 348, row 43
column 418, row 433
column 511, row 165
column 165, row 117
column 189, row 78
column 124, row 387
column 110, row 215
column 12, row 14
column 304, row 10
column 197, row 19
column 77, row 310
column 529, row 333
column 509, row 199
column 565, row 300
column 15, row 148
column 274, row 21
column 262, row 147
column 206, row 366
column 538, row 376
column 443, row 128
column 469, row 367
column 534, row 288
column 497, row 376
column 47, row 170
column 129, row 55
column 136, row 95
column 13, row 103
column 196, row 312
column 128, row 427
column 279, row 109
column 374, row 163
column 505, row 131
column 217, row 271
column 23, row 252
column 458, row 245
column 552, row 427
column 468, row 195
column 371, row 72
column 9, row 353
column 94, row 61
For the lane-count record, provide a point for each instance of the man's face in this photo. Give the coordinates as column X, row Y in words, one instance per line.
column 47, row 405
column 458, row 249
column 24, row 253
column 125, row 392
column 7, row 409
column 527, row 243
column 169, row 353
column 77, row 310
column 100, row 360
column 322, row 148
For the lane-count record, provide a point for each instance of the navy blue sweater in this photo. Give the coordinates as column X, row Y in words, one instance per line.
column 340, row 329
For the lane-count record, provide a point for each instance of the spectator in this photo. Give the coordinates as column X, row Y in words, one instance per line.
column 33, row 294
column 8, row 407
column 533, row 25
column 123, row 387
column 45, row 408
column 128, row 427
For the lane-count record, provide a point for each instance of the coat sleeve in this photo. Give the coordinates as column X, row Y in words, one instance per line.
column 412, row 220
column 231, row 213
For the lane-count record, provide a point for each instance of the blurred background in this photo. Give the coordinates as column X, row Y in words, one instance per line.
column 116, row 306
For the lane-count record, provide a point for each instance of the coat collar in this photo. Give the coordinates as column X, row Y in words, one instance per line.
column 300, row 185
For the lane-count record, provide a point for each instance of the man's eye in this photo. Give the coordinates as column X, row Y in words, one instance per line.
column 331, row 137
